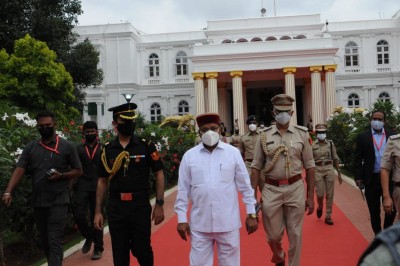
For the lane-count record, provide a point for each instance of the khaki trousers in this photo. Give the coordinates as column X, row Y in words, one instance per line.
column 283, row 207
column 324, row 186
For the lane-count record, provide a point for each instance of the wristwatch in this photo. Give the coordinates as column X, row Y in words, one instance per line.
column 160, row 202
column 252, row 215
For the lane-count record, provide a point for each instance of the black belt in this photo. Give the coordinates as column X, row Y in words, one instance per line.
column 397, row 184
column 129, row 196
column 249, row 160
column 320, row 163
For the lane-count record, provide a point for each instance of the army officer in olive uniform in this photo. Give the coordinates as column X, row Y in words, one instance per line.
column 325, row 157
column 125, row 168
column 284, row 150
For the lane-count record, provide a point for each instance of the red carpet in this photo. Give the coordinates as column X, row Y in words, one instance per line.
column 340, row 244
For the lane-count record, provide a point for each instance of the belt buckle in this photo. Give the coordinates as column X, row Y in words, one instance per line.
column 283, row 183
column 323, row 163
column 126, row 196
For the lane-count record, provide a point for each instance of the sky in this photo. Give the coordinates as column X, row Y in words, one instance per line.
column 160, row 16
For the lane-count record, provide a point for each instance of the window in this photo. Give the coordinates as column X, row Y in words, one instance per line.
column 227, row 41
column 183, row 107
column 256, row 39
column 300, row 37
column 382, row 50
column 271, row 38
column 154, row 66
column 241, row 40
column 181, row 64
column 353, row 100
column 384, row 97
column 285, row 38
column 351, row 54
column 155, row 112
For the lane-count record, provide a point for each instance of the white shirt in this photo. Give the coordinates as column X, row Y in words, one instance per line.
column 211, row 181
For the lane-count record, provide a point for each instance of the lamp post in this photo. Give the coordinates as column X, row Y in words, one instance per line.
column 128, row 96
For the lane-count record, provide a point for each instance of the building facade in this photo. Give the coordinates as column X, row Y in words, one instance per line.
column 234, row 67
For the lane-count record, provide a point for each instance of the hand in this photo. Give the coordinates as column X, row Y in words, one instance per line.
column 251, row 225
column 56, row 176
column 340, row 178
column 360, row 184
column 7, row 198
column 183, row 230
column 387, row 205
column 98, row 221
column 310, row 205
column 158, row 214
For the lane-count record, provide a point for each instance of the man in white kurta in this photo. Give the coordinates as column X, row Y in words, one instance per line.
column 210, row 176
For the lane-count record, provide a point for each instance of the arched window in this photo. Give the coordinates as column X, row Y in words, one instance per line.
column 242, row 40
column 353, row 100
column 154, row 66
column 384, row 97
column 271, row 38
column 256, row 39
column 351, row 54
column 183, row 107
column 382, row 50
column 300, row 37
column 155, row 112
column 285, row 38
column 227, row 41
column 181, row 64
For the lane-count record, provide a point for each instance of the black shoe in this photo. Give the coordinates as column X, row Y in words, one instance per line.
column 319, row 213
column 328, row 221
column 280, row 263
column 87, row 246
column 96, row 255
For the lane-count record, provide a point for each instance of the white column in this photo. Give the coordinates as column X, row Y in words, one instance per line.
column 99, row 116
column 290, row 89
column 317, row 114
column 330, row 92
column 366, row 90
column 238, row 99
column 212, row 92
column 396, row 100
column 199, row 92
column 245, row 109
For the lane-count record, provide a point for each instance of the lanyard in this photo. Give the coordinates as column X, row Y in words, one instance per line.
column 381, row 142
column 91, row 156
column 55, row 150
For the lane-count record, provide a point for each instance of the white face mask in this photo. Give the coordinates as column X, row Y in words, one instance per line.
column 252, row 127
column 321, row 136
column 210, row 138
column 377, row 125
column 282, row 118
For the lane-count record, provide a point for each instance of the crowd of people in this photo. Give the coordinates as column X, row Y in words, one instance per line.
column 266, row 165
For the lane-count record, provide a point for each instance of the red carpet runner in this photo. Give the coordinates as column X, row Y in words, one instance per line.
column 340, row 244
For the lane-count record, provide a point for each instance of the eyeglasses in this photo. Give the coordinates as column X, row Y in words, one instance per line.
column 205, row 129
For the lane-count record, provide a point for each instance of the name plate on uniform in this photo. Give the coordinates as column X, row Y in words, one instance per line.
column 126, row 196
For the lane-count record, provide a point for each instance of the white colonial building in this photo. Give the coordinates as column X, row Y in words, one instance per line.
column 234, row 67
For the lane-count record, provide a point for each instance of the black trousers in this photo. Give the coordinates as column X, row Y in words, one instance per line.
column 51, row 222
column 81, row 203
column 130, row 229
column 373, row 195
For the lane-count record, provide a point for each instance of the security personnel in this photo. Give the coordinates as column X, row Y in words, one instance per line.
column 284, row 150
column 125, row 169
column 325, row 157
column 235, row 139
column 247, row 142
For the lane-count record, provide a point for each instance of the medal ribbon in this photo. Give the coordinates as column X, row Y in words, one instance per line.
column 381, row 142
column 91, row 156
column 55, row 150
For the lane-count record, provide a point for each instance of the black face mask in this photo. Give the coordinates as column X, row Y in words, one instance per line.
column 46, row 132
column 126, row 128
column 90, row 137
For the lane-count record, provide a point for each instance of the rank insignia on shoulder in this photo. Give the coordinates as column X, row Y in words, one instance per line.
column 301, row 127
column 395, row 136
column 155, row 156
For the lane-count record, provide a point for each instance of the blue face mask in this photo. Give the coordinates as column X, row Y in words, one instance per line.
column 377, row 125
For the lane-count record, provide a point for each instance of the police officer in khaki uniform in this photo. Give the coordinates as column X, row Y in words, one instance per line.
column 235, row 139
column 325, row 157
column 284, row 150
column 391, row 163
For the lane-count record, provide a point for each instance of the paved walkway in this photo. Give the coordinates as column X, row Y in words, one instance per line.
column 347, row 197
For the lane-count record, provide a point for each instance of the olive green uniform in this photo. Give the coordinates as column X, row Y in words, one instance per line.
column 325, row 157
column 283, row 206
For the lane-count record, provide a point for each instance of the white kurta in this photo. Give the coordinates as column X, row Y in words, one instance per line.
column 211, row 182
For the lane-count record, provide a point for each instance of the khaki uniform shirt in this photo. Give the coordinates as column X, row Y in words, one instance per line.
column 246, row 144
column 297, row 140
column 235, row 140
column 323, row 152
column 391, row 157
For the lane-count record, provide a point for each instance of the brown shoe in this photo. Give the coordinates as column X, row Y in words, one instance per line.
column 328, row 221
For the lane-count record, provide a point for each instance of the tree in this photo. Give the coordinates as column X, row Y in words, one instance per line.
column 35, row 81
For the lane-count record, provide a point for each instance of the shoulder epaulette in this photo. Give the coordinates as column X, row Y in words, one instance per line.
column 301, row 127
column 268, row 128
column 395, row 136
